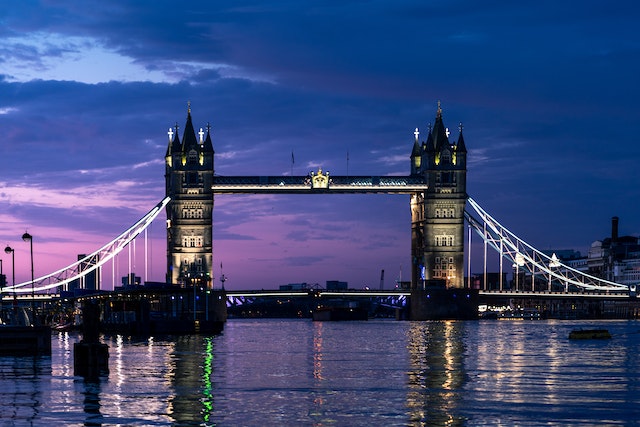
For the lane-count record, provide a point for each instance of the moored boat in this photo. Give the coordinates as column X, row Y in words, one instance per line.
column 589, row 334
column 18, row 336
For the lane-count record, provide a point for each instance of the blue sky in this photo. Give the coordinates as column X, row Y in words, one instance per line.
column 547, row 94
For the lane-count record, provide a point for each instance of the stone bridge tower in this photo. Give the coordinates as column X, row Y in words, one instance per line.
column 189, row 179
column 437, row 214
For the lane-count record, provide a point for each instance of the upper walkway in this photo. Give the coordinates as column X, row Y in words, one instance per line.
column 318, row 182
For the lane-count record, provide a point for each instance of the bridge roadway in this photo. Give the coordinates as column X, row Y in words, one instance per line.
column 318, row 183
column 370, row 293
column 366, row 293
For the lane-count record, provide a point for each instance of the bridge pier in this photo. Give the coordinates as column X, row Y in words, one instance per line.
column 436, row 302
column 90, row 357
column 163, row 310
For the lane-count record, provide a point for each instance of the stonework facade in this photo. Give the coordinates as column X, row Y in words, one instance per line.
column 437, row 214
column 189, row 179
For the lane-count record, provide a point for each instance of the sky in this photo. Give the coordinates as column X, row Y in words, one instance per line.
column 547, row 93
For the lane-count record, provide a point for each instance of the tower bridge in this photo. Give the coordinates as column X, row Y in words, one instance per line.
column 439, row 205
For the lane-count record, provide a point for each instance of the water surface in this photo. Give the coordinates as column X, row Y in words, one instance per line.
column 377, row 372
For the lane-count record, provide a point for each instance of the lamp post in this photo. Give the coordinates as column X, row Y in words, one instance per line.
column 10, row 250
column 29, row 238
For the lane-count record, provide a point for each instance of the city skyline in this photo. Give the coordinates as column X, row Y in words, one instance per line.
column 546, row 95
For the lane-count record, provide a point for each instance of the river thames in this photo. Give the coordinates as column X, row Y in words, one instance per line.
column 379, row 372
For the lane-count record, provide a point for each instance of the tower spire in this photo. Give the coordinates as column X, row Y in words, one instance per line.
column 207, row 145
column 460, row 146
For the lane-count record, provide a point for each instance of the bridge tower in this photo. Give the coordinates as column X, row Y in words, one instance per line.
column 437, row 214
column 189, row 180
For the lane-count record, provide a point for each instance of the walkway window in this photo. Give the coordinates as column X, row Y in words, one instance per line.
column 444, row 240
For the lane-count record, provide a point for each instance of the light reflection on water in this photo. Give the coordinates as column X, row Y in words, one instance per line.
column 436, row 373
column 298, row 372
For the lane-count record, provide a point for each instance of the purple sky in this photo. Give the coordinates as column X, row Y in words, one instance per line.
column 548, row 95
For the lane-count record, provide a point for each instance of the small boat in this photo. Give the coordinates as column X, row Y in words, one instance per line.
column 18, row 336
column 589, row 334
column 489, row 314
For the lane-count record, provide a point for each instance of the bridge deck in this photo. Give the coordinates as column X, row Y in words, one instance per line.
column 38, row 297
column 309, row 184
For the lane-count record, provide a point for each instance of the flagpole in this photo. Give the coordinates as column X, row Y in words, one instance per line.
column 222, row 276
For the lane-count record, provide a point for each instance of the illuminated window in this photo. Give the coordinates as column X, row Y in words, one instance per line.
column 444, row 240
column 192, row 241
column 192, row 213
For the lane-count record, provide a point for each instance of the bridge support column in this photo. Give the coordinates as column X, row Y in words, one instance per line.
column 439, row 303
column 90, row 357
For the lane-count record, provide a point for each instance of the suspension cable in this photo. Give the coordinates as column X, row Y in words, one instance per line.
column 93, row 261
column 534, row 261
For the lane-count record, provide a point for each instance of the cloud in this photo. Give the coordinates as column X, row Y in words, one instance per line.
column 547, row 94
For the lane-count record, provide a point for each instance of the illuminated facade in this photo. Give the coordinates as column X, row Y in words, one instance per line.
column 189, row 179
column 437, row 214
column 615, row 258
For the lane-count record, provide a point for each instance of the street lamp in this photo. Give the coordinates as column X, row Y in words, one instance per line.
column 29, row 238
column 10, row 250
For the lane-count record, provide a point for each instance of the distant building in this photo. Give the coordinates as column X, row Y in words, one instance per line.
column 296, row 286
column 570, row 258
column 564, row 255
column 90, row 281
column 615, row 258
column 336, row 285
column 131, row 280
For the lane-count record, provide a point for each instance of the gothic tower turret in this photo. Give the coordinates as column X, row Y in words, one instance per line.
column 438, row 213
column 189, row 178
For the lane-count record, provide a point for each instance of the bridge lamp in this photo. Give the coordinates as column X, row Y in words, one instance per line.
column 553, row 263
column 519, row 263
column 29, row 238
